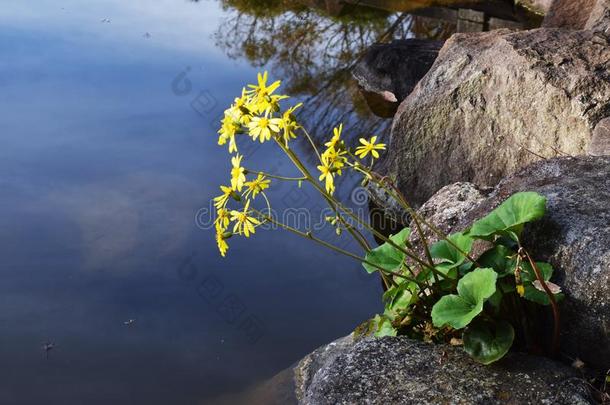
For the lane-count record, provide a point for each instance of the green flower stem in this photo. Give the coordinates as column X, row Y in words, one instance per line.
column 420, row 231
column 402, row 201
column 430, row 264
column 331, row 202
column 309, row 235
column 555, row 308
column 311, row 142
column 275, row 176
column 337, row 206
column 356, row 234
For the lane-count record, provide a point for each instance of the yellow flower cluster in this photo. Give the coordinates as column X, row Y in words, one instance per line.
column 257, row 113
column 332, row 160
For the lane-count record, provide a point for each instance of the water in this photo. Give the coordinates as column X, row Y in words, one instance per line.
column 108, row 114
column 103, row 167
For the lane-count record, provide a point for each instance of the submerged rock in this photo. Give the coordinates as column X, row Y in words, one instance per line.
column 574, row 236
column 387, row 73
column 403, row 371
column 496, row 101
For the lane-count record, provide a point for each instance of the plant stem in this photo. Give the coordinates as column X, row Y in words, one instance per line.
column 275, row 176
column 403, row 202
column 309, row 235
column 354, row 232
column 547, row 290
column 313, row 145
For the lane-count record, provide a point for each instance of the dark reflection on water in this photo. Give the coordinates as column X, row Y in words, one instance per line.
column 108, row 116
column 313, row 45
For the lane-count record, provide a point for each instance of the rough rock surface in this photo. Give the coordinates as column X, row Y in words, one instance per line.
column 537, row 6
column 574, row 236
column 444, row 210
column 570, row 14
column 600, row 142
column 599, row 20
column 387, row 73
column 306, row 369
column 403, row 371
column 494, row 102
column 579, row 14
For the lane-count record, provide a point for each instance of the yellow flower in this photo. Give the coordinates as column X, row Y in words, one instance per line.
column 262, row 90
column 241, row 108
column 221, row 200
column 223, row 246
column 369, row 146
column 222, row 219
column 262, row 95
column 256, row 186
column 238, row 176
column 244, row 223
column 227, row 132
column 334, row 141
column 326, row 175
column 288, row 124
column 263, row 127
column 336, row 159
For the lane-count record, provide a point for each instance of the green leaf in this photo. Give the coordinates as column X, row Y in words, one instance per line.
column 382, row 326
column 449, row 256
column 528, row 276
column 499, row 259
column 473, row 290
column 488, row 342
column 387, row 256
column 398, row 299
column 508, row 219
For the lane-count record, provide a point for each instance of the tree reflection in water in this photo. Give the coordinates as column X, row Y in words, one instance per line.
column 312, row 46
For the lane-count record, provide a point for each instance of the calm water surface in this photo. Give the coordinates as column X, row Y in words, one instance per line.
column 108, row 119
column 107, row 155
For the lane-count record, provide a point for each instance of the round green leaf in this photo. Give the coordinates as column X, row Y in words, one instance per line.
column 500, row 258
column 488, row 342
column 387, row 256
column 449, row 256
column 473, row 290
column 509, row 217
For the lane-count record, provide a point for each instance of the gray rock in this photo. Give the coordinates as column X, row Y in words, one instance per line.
column 574, row 236
column 494, row 102
column 387, row 73
column 600, row 143
column 599, row 20
column 403, row 371
column 447, row 207
column 306, row 369
column 537, row 6
column 570, row 14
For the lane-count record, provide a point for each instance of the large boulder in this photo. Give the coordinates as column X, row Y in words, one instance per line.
column 571, row 14
column 496, row 101
column 403, row 371
column 387, row 73
column 537, row 6
column 578, row 15
column 574, row 236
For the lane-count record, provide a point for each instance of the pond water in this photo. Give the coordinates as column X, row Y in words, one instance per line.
column 111, row 292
